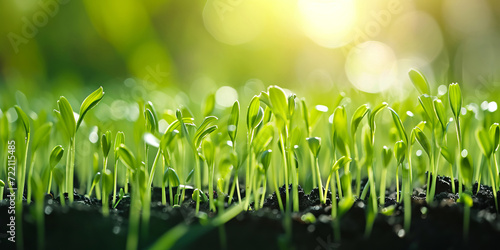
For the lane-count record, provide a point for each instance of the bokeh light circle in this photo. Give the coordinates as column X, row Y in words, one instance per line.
column 371, row 67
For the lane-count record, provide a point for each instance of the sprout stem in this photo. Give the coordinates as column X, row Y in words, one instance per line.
column 397, row 183
column 277, row 190
column 30, row 174
column 382, row 186
column 320, row 184
column 335, row 220
column 493, row 186
column 407, row 199
column 71, row 170
column 115, row 176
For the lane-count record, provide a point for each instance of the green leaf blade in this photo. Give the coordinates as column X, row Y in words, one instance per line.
column 91, row 101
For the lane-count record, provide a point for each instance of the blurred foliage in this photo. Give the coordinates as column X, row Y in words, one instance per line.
column 187, row 50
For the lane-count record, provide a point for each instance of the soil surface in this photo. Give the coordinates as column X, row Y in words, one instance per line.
column 434, row 226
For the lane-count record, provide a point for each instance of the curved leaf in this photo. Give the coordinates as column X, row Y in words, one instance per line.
column 400, row 151
column 341, row 162
column 24, row 119
column 484, row 142
column 441, row 113
column 366, row 141
column 41, row 135
column 127, row 157
column 278, row 100
column 209, row 152
column 265, row 159
column 149, row 105
column 339, row 126
column 119, row 140
column 91, row 101
column 455, row 97
column 314, row 145
column 209, row 105
column 422, row 139
column 386, row 156
column 291, row 105
column 357, row 117
column 204, row 125
column 421, row 125
column 374, row 112
column 419, row 81
column 106, row 143
column 151, row 122
column 199, row 195
column 495, row 135
column 67, row 116
column 56, row 155
column 254, row 113
column 448, row 154
column 399, row 126
column 426, row 103
column 171, row 176
column 190, row 175
column 263, row 138
column 204, row 134
column 232, row 124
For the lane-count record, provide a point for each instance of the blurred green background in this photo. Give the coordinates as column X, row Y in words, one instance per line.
column 318, row 46
column 176, row 53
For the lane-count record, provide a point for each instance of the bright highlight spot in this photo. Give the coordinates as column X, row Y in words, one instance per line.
column 322, row 108
column 329, row 23
column 226, row 96
column 492, row 106
column 442, row 89
column 94, row 137
column 371, row 67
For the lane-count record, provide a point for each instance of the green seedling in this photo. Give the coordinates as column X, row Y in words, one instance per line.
column 22, row 171
column 21, row 174
column 467, row 171
column 106, row 147
column 107, row 186
column 41, row 136
column 208, row 149
column 341, row 162
column 172, row 180
column 55, row 157
column 487, row 147
column 129, row 160
column 121, row 195
column 449, row 155
column 232, row 130
column 400, row 154
column 340, row 140
column 70, row 126
column 315, row 146
column 119, row 139
column 419, row 81
column 455, row 98
column 386, row 160
column 265, row 162
column 2, row 187
column 195, row 142
column 59, row 179
column 358, row 115
column 95, row 183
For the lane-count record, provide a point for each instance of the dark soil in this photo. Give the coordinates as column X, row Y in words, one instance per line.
column 434, row 226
